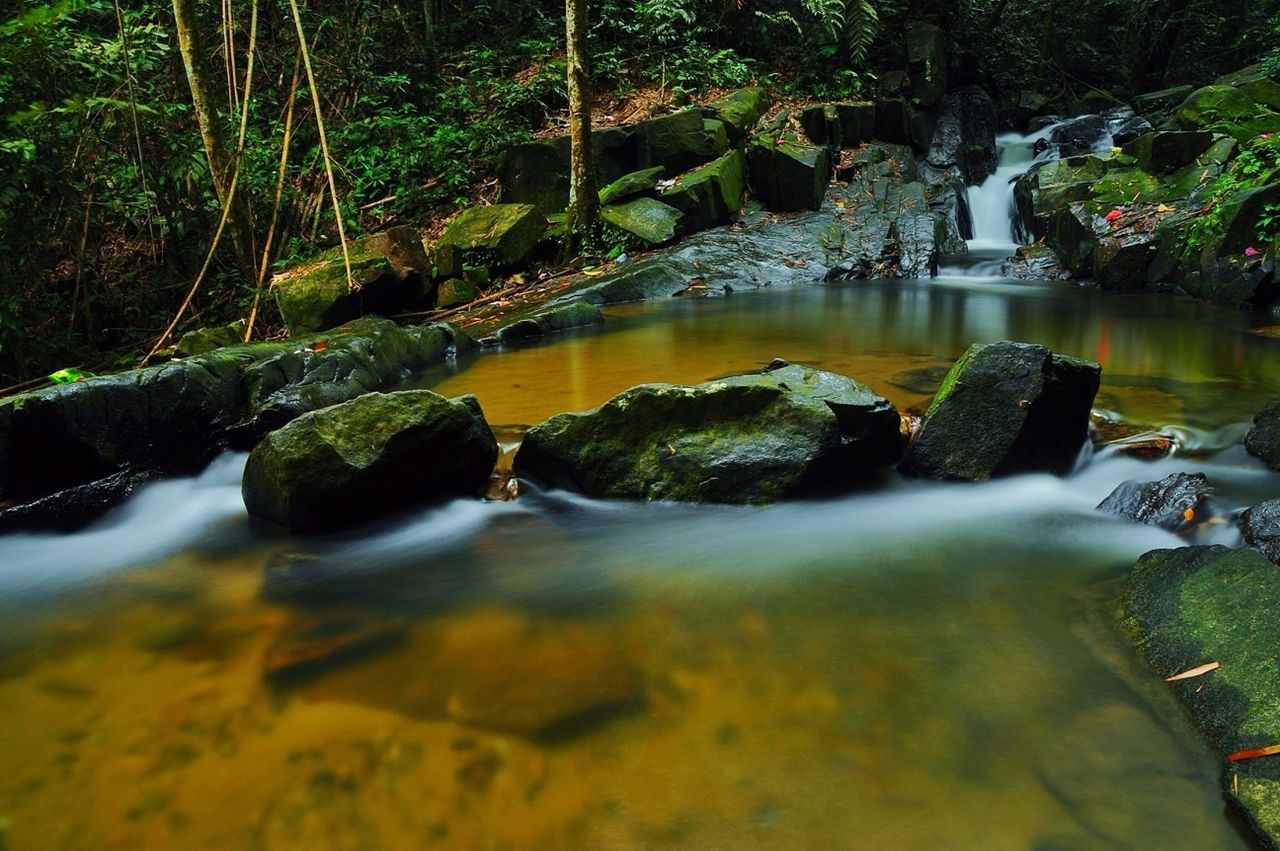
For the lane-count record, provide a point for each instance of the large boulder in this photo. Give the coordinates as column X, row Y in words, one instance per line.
column 376, row 454
column 645, row 221
column 927, row 63
column 1193, row 605
column 676, row 141
column 1260, row 525
column 711, row 195
column 1158, row 153
column 1072, row 233
column 1255, row 81
column 740, row 111
column 1215, row 104
column 389, row 271
column 787, row 175
column 749, row 439
column 534, row 173
column 499, row 235
column 964, row 137
column 634, row 185
column 1263, row 440
column 1172, row 503
column 1005, row 408
column 1153, row 103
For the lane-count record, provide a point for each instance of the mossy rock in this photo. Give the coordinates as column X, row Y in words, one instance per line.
column 1192, row 605
column 1121, row 187
column 1163, row 152
column 752, row 439
column 740, row 111
column 634, row 185
column 374, row 455
column 711, row 195
column 715, row 138
column 553, row 320
column 1005, row 408
column 1072, row 233
column 534, row 173
column 1263, row 440
column 456, row 292
column 927, row 63
column 787, row 175
column 676, row 141
column 1261, row 87
column 1162, row 100
column 203, row 340
column 644, row 221
column 500, row 235
column 1215, row 104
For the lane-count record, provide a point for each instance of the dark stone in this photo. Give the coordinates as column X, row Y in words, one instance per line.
column 893, row 121
column 927, row 63
column 711, row 195
column 789, row 176
column 1165, row 503
column 1005, row 408
column 748, row 439
column 740, row 111
column 633, row 185
column 1072, row 234
column 1261, row 527
column 376, row 454
column 1125, row 130
column 1158, row 153
column 554, row 320
column 1080, row 135
column 675, row 141
column 1161, row 101
column 1263, row 440
column 857, row 123
column 534, row 173
column 965, row 135
column 1122, row 262
column 821, row 124
column 320, row 643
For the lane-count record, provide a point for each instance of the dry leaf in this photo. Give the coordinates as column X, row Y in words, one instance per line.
column 1194, row 672
column 593, row 272
column 319, row 345
column 1253, row 753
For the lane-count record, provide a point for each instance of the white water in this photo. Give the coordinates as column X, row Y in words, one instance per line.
column 991, row 203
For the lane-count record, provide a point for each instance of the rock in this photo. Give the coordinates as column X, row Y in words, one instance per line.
column 675, row 141
column 857, row 123
column 1263, row 440
column 1034, row 263
column 711, row 195
column 455, row 292
column 1125, row 130
column 1173, row 503
column 789, row 176
column 534, row 173
column 500, row 235
column 376, row 454
column 749, row 439
column 554, row 320
column 1029, row 106
column 893, row 121
column 821, row 124
column 899, row 235
column 1254, row 81
column 316, row 644
column 1072, row 234
column 446, row 261
column 646, row 220
column 1005, row 408
column 740, row 111
column 1261, row 528
column 1215, row 104
column 1162, row 100
column 715, row 139
column 1122, row 261
column 925, row 379
column 633, row 185
column 1159, row 153
column 389, row 271
column 1055, row 186
column 1192, row 605
column 1081, row 135
column 204, row 340
column 927, row 62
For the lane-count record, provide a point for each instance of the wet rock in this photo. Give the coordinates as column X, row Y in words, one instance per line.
column 857, row 123
column 645, row 220
column 1122, row 261
column 389, row 272
column 749, row 439
column 740, row 111
column 925, row 379
column 499, row 235
column 1005, row 408
column 1080, row 135
column 1162, row 100
column 1125, row 130
column 1028, row 107
column 376, row 454
column 1072, row 234
column 1262, row 87
column 927, row 63
column 204, row 340
column 788, row 176
column 898, row 232
column 1263, row 439
column 821, row 125
column 318, row 643
column 1261, row 527
column 893, row 121
column 1034, row 263
column 965, row 135
column 554, row 320
column 1145, row 445
column 1192, row 605
column 711, row 195
column 1213, row 104
column 630, row 186
column 1158, row 153
column 1173, row 503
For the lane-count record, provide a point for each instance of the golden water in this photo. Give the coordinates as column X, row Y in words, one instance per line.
column 926, row 666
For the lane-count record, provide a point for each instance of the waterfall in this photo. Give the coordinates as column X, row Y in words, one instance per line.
column 991, row 203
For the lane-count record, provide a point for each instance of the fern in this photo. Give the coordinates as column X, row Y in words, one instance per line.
column 855, row 23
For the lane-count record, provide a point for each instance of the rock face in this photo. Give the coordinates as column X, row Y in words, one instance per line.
column 965, row 135
column 749, row 439
column 927, row 63
column 1261, row 527
column 1005, row 408
column 1158, row 153
column 390, row 271
column 500, row 235
column 787, row 176
column 1263, row 440
column 1193, row 605
column 1172, row 503
column 378, row 453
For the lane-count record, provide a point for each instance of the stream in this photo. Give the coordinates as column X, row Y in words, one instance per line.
column 915, row 666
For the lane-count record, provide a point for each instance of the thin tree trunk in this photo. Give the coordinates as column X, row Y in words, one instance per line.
column 584, row 196
column 215, row 147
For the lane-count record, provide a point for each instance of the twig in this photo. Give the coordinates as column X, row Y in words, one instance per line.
column 480, row 302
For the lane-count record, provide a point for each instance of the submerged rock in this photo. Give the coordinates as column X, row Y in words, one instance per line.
column 1173, row 503
column 1005, row 408
column 377, row 454
column 1261, row 527
column 748, row 439
column 318, row 643
column 1188, row 606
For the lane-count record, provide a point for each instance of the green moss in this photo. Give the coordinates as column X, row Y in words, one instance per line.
column 499, row 234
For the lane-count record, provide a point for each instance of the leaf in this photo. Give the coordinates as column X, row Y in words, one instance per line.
column 320, row 345
column 594, row 273
column 69, row 376
column 1197, row 671
column 1253, row 753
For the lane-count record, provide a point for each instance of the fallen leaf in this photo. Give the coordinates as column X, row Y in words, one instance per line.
column 1194, row 672
column 1253, row 753
column 593, row 272
column 319, row 345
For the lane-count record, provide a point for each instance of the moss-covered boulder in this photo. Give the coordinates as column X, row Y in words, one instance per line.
column 499, row 235
column 787, row 175
column 377, row 454
column 534, row 173
column 1159, row 153
column 750, row 439
column 715, row 139
column 711, row 195
column 676, row 141
column 740, row 111
column 1055, row 186
column 1255, row 81
column 455, row 292
column 633, row 185
column 1005, row 408
column 553, row 320
column 1215, row 104
column 927, row 62
column 644, row 221
column 1263, row 439
column 204, row 340
column 389, row 272
column 1189, row 606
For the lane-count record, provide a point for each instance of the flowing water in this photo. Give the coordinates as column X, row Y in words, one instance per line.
column 916, row 666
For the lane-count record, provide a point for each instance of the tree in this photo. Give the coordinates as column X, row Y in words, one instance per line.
column 584, row 195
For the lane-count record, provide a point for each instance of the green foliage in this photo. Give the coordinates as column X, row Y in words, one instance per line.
column 1257, row 165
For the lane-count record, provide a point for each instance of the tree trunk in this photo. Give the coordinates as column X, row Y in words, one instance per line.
column 584, row 196
column 215, row 146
